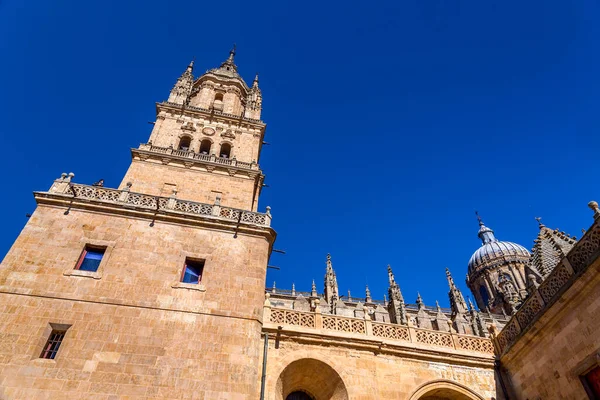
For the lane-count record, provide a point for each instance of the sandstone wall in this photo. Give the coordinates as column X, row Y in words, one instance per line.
column 160, row 180
column 545, row 363
column 135, row 330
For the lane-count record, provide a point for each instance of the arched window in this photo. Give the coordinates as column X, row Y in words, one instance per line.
column 205, row 146
column 485, row 297
column 225, row 150
column 218, row 103
column 184, row 143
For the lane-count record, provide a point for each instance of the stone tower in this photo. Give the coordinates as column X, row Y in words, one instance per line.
column 154, row 289
column 496, row 274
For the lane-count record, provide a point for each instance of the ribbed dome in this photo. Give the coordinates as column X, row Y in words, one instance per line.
column 497, row 250
column 493, row 250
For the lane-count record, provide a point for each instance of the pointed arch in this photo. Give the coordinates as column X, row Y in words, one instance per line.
column 444, row 389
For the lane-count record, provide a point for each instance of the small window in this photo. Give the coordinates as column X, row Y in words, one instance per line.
column 184, row 143
column 225, row 150
column 218, row 103
column 205, row 146
column 90, row 258
column 54, row 341
column 192, row 271
column 219, row 97
column 591, row 381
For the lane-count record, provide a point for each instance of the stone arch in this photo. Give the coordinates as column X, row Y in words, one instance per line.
column 444, row 390
column 314, row 377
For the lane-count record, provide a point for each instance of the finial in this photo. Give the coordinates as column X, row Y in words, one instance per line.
column 419, row 300
column 384, row 300
column 367, row 294
column 273, row 289
column 539, row 220
column 479, row 218
column 231, row 53
column 593, row 205
column 437, row 306
column 190, row 67
column 255, row 83
column 471, row 307
column 349, row 296
column 449, row 277
column 293, row 289
column 328, row 257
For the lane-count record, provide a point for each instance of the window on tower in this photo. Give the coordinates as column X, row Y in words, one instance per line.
column 184, row 143
column 205, row 146
column 218, row 103
column 225, row 150
column 90, row 258
column 192, row 271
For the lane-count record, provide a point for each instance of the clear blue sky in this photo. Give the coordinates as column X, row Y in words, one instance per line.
column 389, row 123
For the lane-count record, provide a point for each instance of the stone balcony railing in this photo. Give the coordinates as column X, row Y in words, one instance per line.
column 125, row 197
column 549, row 291
column 403, row 334
column 232, row 162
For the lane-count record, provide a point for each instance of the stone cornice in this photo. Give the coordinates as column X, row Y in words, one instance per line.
column 156, row 209
column 189, row 159
column 210, row 114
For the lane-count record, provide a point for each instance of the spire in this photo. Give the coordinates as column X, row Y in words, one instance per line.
column 183, row 87
column 539, row 220
column 368, row 298
column 385, row 303
column 420, row 301
column 255, row 83
column 349, row 296
column 313, row 289
column 293, row 289
column 457, row 301
column 273, row 289
column 485, row 234
column 396, row 305
column 331, row 287
column 437, row 307
column 231, row 54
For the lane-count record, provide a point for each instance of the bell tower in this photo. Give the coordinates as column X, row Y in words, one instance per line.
column 154, row 288
column 206, row 141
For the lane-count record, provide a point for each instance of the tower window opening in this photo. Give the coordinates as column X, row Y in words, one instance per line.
column 192, row 271
column 90, row 258
column 53, row 343
column 218, row 103
column 205, row 146
column 184, row 143
column 225, row 150
column 591, row 381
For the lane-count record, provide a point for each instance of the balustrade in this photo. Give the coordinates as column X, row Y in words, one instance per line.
column 157, row 203
column 394, row 332
column 198, row 156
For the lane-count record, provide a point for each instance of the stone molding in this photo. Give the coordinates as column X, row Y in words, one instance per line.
column 70, row 195
column 190, row 159
column 361, row 332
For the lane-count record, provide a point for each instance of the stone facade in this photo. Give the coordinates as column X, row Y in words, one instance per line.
column 136, row 326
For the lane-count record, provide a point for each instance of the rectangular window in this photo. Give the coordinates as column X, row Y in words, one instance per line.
column 90, row 258
column 192, row 271
column 53, row 343
column 591, row 381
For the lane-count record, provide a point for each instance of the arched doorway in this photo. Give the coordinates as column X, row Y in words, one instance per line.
column 298, row 396
column 310, row 379
column 444, row 390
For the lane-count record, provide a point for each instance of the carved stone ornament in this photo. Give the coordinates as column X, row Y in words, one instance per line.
column 208, row 131
column 210, row 168
column 188, row 164
column 228, row 134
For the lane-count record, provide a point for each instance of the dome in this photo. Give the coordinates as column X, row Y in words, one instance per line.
column 493, row 252
column 490, row 252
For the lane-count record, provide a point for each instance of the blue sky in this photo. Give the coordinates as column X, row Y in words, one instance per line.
column 389, row 122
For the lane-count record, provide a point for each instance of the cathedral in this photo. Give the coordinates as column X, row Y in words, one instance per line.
column 155, row 289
